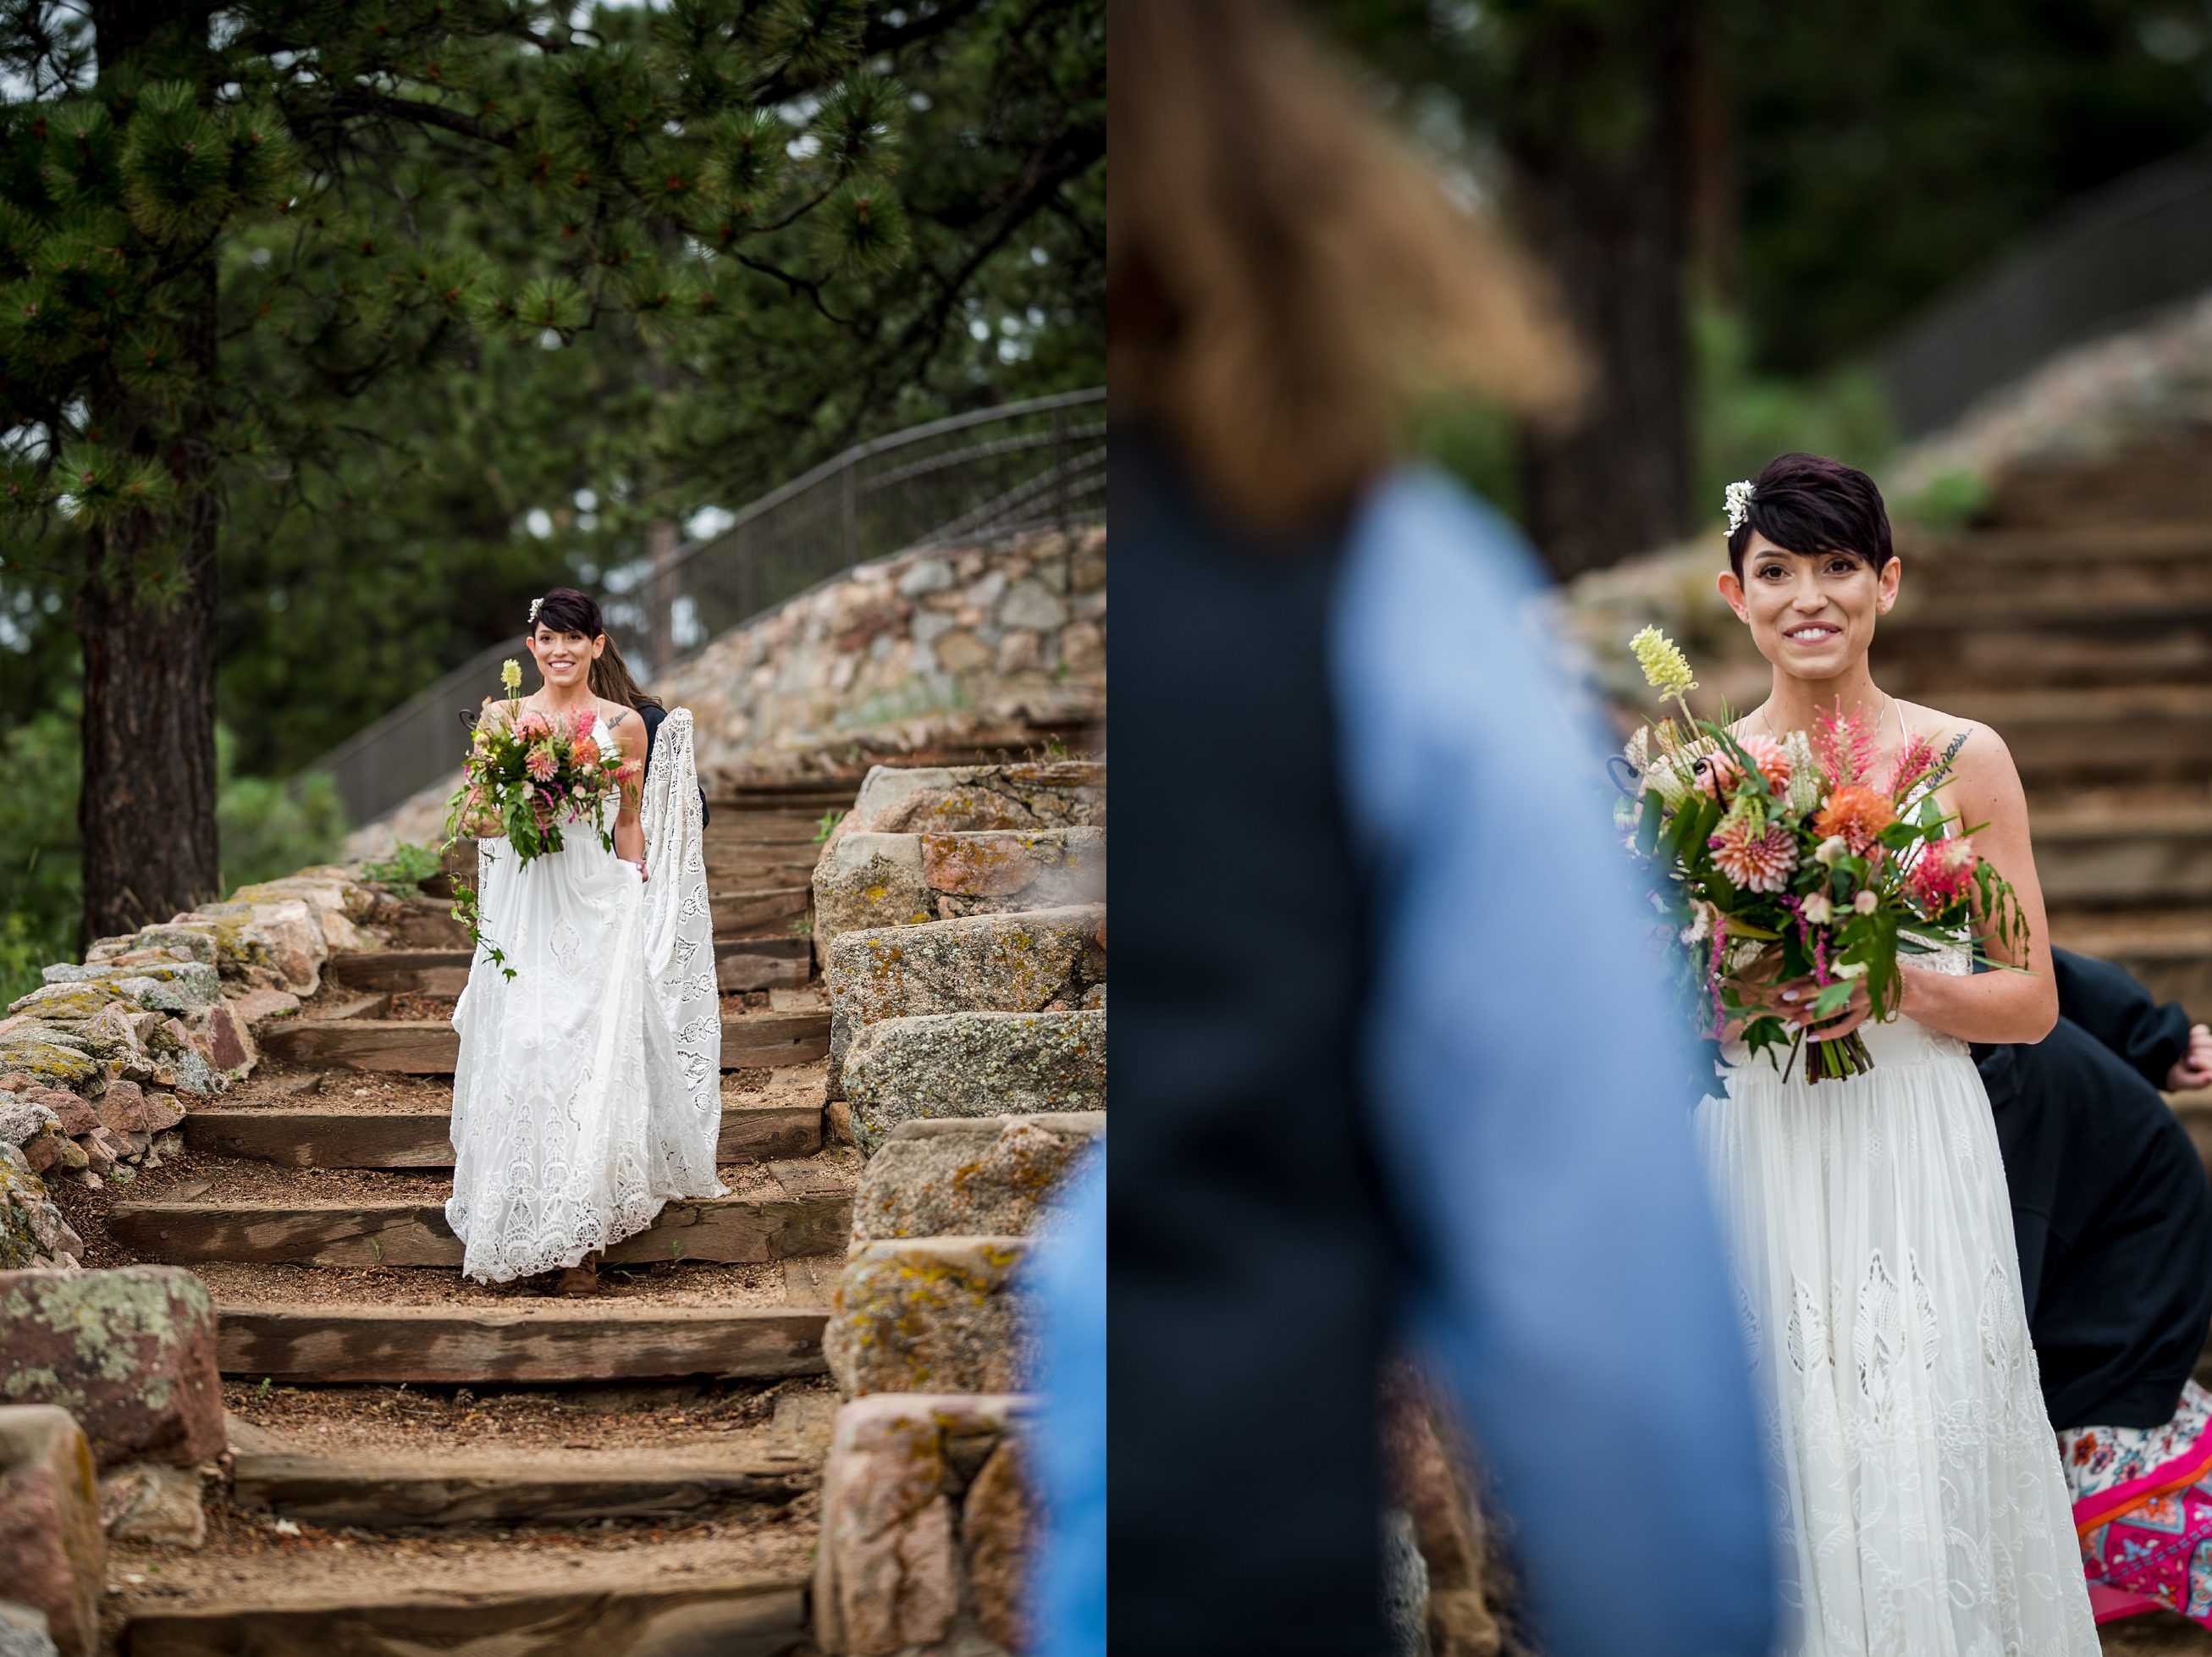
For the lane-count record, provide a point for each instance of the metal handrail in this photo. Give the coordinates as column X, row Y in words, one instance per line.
column 2138, row 244
column 977, row 478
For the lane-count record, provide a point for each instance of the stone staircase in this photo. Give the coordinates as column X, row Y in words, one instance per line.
column 2077, row 622
column 416, row 1460
column 967, row 1056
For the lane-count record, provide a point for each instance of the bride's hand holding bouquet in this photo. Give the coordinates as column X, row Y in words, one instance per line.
column 527, row 777
column 1793, row 881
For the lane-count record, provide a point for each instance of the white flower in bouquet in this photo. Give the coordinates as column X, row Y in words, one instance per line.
column 1829, row 849
column 1866, row 903
column 1817, row 909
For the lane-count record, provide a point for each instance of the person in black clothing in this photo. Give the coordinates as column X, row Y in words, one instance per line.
column 611, row 679
column 2112, row 1216
column 2110, row 1203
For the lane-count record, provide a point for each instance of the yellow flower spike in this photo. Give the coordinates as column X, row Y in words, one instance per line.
column 510, row 674
column 1666, row 669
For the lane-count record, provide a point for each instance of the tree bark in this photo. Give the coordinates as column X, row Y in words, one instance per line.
column 146, row 614
column 146, row 809
column 1600, row 190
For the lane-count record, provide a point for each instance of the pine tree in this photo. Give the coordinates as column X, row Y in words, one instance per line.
column 333, row 193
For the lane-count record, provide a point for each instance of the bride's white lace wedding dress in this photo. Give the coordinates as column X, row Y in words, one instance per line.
column 1880, row 1289
column 588, row 1089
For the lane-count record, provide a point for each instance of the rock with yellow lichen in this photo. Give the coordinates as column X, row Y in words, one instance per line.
column 993, row 1177
column 936, row 1065
column 936, row 1314
column 1030, row 962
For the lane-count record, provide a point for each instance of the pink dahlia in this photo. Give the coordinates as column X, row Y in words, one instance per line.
column 1942, row 874
column 1717, row 774
column 541, row 764
column 1758, row 861
column 1773, row 764
column 532, row 726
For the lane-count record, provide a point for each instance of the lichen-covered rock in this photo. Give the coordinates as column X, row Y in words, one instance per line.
column 23, row 1118
column 49, row 1056
column 65, row 1003
column 972, row 1064
column 279, row 943
column 944, row 799
column 173, row 986
column 130, row 1353
column 32, row 1230
column 1044, row 868
column 930, row 1315
column 865, row 880
column 53, row 1554
column 994, row 1176
column 888, row 1569
column 1017, row 963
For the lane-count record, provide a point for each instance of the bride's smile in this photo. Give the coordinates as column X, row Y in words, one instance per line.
column 1811, row 614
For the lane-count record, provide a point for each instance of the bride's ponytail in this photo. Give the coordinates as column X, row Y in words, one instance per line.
column 612, row 680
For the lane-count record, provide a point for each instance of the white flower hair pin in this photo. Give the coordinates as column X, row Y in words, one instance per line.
column 1739, row 504
column 534, row 603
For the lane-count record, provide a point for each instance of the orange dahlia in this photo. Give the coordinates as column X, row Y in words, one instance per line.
column 1858, row 814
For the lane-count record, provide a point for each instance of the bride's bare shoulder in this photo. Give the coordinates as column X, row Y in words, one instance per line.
column 1982, row 754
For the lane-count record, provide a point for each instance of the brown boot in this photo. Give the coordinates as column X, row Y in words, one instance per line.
column 583, row 1277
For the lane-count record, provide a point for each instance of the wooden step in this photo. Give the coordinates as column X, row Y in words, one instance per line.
column 2098, row 858
column 2170, row 950
column 2089, row 606
column 728, row 1230
column 2120, row 731
column 431, row 1047
column 739, row 964
column 374, row 1490
column 332, row 1138
column 768, row 913
column 619, row 1614
column 1994, row 553
column 569, row 1341
column 1931, row 669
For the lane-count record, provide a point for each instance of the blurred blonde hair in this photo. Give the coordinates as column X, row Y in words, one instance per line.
column 1283, row 277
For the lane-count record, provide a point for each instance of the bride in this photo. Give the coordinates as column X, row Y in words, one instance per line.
column 1868, row 1217
column 588, row 1088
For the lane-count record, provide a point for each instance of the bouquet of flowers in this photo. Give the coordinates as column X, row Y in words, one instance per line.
column 531, row 774
column 1778, row 861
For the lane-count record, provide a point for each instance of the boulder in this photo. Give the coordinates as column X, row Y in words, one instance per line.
column 229, row 1050
column 991, row 1177
column 130, row 1353
column 32, row 1229
column 53, row 1555
column 1045, row 867
column 47, row 1055
column 890, row 1564
column 1019, row 963
column 998, row 1523
column 929, row 1315
column 148, row 1502
column 71, row 1110
column 918, row 799
column 936, row 1065
column 865, row 880
column 23, row 1118
column 127, row 1108
column 24, row 1631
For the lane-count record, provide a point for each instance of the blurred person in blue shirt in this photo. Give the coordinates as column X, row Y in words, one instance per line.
column 1392, row 1056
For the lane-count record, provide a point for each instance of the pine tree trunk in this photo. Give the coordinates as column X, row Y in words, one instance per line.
column 1601, row 196
column 146, row 618
column 146, row 811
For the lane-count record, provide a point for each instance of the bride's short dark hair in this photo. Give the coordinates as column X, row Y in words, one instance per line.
column 1809, row 503
column 567, row 611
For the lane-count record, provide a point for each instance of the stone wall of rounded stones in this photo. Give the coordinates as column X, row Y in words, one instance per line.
column 101, row 1064
column 944, row 650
